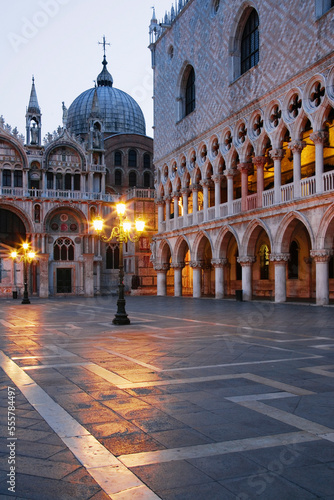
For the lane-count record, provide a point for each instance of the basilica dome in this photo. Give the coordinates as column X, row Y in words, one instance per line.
column 118, row 111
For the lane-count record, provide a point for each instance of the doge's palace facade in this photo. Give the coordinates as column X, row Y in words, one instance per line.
column 244, row 149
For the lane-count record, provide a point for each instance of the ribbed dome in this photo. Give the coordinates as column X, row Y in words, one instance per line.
column 119, row 111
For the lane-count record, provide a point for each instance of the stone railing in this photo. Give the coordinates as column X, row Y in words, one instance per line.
column 56, row 194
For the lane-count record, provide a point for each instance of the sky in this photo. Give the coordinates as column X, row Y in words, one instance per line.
column 57, row 42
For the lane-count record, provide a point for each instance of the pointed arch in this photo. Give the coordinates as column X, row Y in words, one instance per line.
column 286, row 228
column 251, row 235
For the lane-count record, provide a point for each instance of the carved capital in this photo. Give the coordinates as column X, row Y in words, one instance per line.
column 219, row 262
column 321, row 255
column 196, row 188
column 196, row 264
column 176, row 194
column 161, row 267
column 297, row 146
column 185, row 191
column 246, row 260
column 259, row 161
column 277, row 153
column 206, row 183
column 245, row 167
column 167, row 198
column 217, row 178
column 159, row 201
column 278, row 258
column 230, row 172
column 320, row 137
column 178, row 265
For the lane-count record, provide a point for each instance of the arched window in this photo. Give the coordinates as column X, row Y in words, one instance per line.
column 132, row 179
column 190, row 93
column 7, row 178
column 264, row 262
column 68, row 181
column 63, row 249
column 118, row 159
column 49, row 180
column 37, row 213
column 77, row 178
column 250, row 42
column 147, row 180
column 59, row 181
column 132, row 160
column 293, row 262
column 112, row 257
column 18, row 178
column 118, row 177
column 147, row 161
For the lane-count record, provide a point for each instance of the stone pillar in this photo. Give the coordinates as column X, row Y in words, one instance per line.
column 217, row 180
column 161, row 279
column 246, row 263
column 43, row 259
column 103, row 183
column 25, row 181
column 91, row 182
column 319, row 139
column 277, row 155
column 229, row 173
column 176, row 195
column 205, row 185
column 244, row 169
column 178, row 278
column 297, row 147
column 185, row 194
column 160, row 204
column 88, row 259
column 280, row 261
column 219, row 265
column 195, row 190
column 167, row 201
column 321, row 258
column 259, row 162
column 197, row 278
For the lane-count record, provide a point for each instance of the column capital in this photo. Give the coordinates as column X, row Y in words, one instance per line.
column 196, row 264
column 259, row 161
column 161, row 267
column 219, row 262
column 176, row 194
column 246, row 260
column 185, row 191
column 205, row 182
column 196, row 187
column 177, row 265
column 245, row 167
column 277, row 153
column 279, row 258
column 159, row 201
column 320, row 137
column 297, row 146
column 230, row 172
column 167, row 198
column 321, row 255
column 217, row 178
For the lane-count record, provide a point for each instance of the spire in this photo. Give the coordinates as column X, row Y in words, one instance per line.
column 95, row 113
column 104, row 79
column 33, row 106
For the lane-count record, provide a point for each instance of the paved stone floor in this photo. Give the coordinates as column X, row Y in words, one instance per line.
column 196, row 399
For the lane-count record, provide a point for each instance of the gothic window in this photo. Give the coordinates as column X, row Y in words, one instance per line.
column 37, row 213
column 132, row 179
column 112, row 257
column 293, row 262
column 49, row 180
column 264, row 262
column 6, row 178
column 118, row 177
column 132, row 160
column 118, row 159
column 92, row 212
column 18, row 178
column 63, row 249
column 59, row 181
column 68, row 180
column 147, row 161
column 77, row 178
column 190, row 93
column 147, row 180
column 250, row 42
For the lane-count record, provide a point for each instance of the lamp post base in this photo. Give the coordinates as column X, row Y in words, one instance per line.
column 25, row 301
column 121, row 319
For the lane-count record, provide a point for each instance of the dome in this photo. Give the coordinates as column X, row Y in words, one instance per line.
column 119, row 112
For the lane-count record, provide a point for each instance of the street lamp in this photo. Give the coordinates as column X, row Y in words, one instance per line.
column 122, row 233
column 26, row 255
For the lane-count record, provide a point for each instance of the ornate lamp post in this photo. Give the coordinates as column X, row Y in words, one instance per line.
column 26, row 255
column 122, row 233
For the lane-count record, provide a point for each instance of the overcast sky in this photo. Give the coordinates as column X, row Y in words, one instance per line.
column 57, row 42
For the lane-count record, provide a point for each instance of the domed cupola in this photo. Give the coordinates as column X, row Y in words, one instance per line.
column 118, row 111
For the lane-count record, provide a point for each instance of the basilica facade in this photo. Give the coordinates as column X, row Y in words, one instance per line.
column 52, row 190
column 244, row 149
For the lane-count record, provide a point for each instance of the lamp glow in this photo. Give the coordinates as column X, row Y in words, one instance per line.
column 140, row 225
column 127, row 225
column 98, row 224
column 13, row 255
column 120, row 208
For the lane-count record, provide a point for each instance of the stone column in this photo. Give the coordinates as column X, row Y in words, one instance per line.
column 43, row 259
column 259, row 162
column 161, row 270
column 185, row 194
column 103, row 183
column 321, row 258
column 246, row 263
column 219, row 265
column 25, row 181
column 167, row 201
column 160, row 202
column 195, row 189
column 229, row 173
column 297, row 147
column 176, row 195
column 88, row 259
column 280, row 261
column 277, row 155
column 244, row 169
column 91, row 182
column 205, row 185
column 197, row 278
column 217, row 180
column 178, row 278
column 319, row 139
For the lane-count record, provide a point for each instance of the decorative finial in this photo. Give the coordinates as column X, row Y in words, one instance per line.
column 104, row 43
